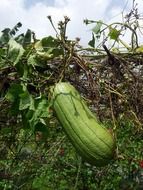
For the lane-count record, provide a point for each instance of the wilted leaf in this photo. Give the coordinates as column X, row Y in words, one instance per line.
column 139, row 49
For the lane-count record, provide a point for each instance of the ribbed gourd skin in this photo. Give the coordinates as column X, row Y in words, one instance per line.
column 91, row 139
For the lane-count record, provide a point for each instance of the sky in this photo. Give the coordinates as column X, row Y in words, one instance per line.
column 33, row 14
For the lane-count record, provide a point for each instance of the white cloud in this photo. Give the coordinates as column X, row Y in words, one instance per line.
column 10, row 12
column 13, row 11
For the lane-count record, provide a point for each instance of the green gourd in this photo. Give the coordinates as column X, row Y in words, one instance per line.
column 91, row 139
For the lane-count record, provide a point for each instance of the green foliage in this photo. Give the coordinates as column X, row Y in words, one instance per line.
column 15, row 51
column 92, row 41
column 114, row 33
column 34, row 151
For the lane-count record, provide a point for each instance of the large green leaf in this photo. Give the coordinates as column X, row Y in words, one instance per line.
column 48, row 48
column 20, row 97
column 15, row 51
column 36, row 113
column 49, row 42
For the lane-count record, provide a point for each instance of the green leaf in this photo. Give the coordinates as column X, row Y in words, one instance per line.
column 13, row 95
column 37, row 110
column 92, row 42
column 25, row 100
column 41, row 111
column 20, row 98
column 36, row 61
column 15, row 29
column 97, row 27
column 42, row 107
column 15, row 51
column 27, row 38
column 26, row 72
column 15, row 107
column 32, row 60
column 20, row 38
column 2, row 55
column 48, row 48
column 46, row 43
column 49, row 42
column 5, row 36
column 14, row 91
column 26, row 115
column 114, row 33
